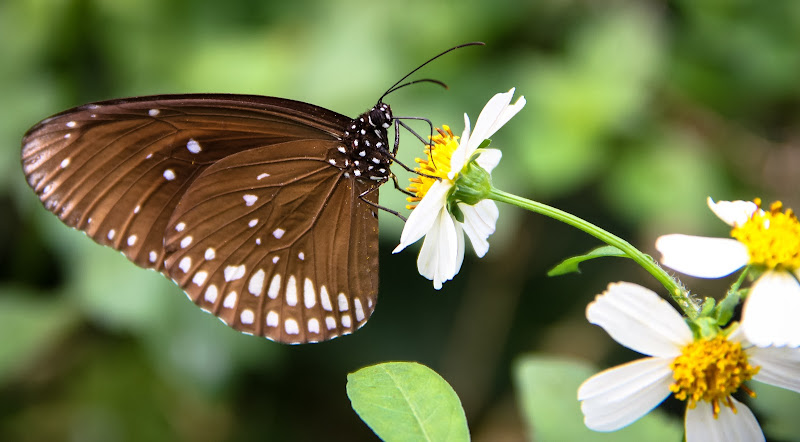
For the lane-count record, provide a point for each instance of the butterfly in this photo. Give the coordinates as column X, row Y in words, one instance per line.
column 262, row 209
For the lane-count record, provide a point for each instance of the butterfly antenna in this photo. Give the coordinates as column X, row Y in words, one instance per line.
column 394, row 86
column 423, row 80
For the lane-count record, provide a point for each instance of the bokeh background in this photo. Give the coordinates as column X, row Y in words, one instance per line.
column 637, row 111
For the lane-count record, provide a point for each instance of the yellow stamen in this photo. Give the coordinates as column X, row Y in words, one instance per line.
column 772, row 238
column 711, row 370
column 436, row 164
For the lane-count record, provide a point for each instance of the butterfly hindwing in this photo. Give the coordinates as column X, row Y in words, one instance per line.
column 277, row 242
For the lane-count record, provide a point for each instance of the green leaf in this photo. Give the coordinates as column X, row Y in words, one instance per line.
column 570, row 265
column 547, row 391
column 406, row 401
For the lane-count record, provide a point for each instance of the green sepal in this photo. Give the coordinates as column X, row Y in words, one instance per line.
column 708, row 307
column 570, row 265
column 485, row 144
column 473, row 184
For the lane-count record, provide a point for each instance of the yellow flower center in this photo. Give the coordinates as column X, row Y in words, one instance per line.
column 772, row 238
column 436, row 164
column 711, row 370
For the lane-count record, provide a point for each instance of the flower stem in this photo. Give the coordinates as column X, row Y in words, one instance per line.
column 673, row 287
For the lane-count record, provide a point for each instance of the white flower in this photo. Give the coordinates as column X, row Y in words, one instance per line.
column 642, row 321
column 767, row 240
column 442, row 251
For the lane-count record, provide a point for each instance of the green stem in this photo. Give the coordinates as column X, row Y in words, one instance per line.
column 673, row 287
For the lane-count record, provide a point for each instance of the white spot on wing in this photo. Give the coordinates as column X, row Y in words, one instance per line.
column 249, row 199
column 153, row 112
column 153, row 256
column 131, row 240
column 302, row 256
column 185, row 264
column 346, row 321
column 359, row 309
column 325, row 299
column 275, row 259
column 111, row 234
column 247, row 316
column 256, row 284
column 186, row 241
column 262, row 176
column 71, row 124
column 291, row 291
column 211, row 294
column 278, row 233
column 272, row 318
column 253, row 222
column 274, row 286
column 330, row 322
column 232, row 273
column 313, row 325
column 200, row 278
column 309, row 295
column 193, row 146
column 180, row 226
column 343, row 307
column 169, row 174
column 65, row 162
column 230, row 300
column 291, row 327
column 137, row 209
column 210, row 254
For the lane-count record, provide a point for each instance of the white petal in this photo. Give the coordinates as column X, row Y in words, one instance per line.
column 424, row 215
column 640, row 320
column 769, row 315
column 479, row 223
column 618, row 396
column 734, row 213
column 727, row 427
column 780, row 366
column 489, row 159
column 460, row 249
column 459, row 157
column 702, row 257
column 438, row 256
column 494, row 115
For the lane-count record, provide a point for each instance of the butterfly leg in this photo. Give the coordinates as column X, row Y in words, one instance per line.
column 397, row 186
column 393, row 153
column 378, row 206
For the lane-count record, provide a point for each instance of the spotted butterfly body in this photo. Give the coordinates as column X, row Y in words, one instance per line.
column 262, row 209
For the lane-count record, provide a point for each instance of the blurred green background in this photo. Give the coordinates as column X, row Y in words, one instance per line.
column 637, row 111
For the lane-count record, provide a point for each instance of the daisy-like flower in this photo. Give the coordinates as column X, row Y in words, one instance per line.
column 767, row 240
column 702, row 371
column 439, row 215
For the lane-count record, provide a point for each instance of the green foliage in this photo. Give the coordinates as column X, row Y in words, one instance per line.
column 29, row 327
column 406, row 401
column 570, row 265
column 636, row 112
column 546, row 391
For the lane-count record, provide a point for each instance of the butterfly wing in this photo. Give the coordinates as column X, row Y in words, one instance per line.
column 130, row 172
column 275, row 241
column 117, row 169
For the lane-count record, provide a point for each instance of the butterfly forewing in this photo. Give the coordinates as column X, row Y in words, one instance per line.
column 244, row 201
column 264, row 240
column 117, row 169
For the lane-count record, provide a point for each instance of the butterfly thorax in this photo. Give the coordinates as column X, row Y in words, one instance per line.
column 364, row 153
